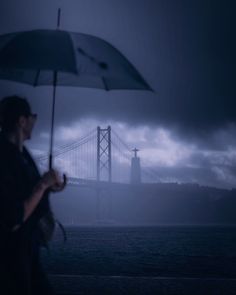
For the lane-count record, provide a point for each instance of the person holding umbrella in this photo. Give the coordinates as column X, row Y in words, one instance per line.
column 26, row 220
column 43, row 58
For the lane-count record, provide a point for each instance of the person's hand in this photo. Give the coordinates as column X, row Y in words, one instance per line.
column 59, row 186
column 50, row 179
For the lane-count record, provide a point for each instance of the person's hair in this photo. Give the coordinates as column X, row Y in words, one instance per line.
column 11, row 109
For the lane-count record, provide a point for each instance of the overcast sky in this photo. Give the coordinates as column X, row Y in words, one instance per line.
column 184, row 49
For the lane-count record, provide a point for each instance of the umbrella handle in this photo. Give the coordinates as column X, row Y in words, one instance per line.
column 50, row 162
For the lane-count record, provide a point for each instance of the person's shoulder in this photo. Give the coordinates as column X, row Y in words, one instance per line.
column 6, row 151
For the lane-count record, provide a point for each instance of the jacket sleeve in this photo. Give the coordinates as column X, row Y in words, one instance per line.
column 11, row 202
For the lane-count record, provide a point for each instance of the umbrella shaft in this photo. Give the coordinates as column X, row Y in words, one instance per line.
column 52, row 122
column 58, row 18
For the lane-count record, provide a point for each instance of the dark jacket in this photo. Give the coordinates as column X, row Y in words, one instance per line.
column 18, row 176
column 20, row 268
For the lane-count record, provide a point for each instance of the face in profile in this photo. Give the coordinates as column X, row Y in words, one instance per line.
column 27, row 125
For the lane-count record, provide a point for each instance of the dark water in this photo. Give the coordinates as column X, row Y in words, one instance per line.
column 145, row 252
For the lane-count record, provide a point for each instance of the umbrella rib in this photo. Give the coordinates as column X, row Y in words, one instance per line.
column 105, row 84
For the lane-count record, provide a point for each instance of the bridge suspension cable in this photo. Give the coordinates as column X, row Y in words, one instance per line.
column 61, row 149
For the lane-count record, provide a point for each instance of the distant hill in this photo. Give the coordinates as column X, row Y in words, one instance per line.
column 147, row 204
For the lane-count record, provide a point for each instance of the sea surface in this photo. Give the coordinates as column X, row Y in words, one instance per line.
column 143, row 260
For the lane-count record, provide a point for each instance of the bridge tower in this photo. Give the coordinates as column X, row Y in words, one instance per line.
column 135, row 176
column 104, row 173
column 104, row 154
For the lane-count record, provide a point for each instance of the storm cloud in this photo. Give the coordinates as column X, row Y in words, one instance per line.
column 185, row 50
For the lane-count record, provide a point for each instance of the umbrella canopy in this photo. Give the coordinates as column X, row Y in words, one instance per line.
column 80, row 60
column 56, row 57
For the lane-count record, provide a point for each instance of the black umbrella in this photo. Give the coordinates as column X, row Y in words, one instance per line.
column 57, row 57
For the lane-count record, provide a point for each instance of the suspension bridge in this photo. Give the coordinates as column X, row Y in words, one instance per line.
column 98, row 158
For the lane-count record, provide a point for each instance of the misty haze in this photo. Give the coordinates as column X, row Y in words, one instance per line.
column 144, row 130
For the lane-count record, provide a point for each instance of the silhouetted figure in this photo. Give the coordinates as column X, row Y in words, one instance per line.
column 26, row 220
